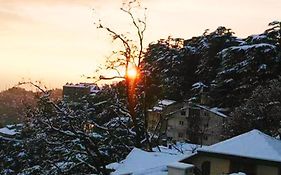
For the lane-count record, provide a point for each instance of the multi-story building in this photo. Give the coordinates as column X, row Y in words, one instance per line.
column 187, row 122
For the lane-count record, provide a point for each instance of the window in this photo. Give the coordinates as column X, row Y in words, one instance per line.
column 180, row 135
column 206, row 168
column 183, row 113
column 206, row 114
column 181, row 123
column 243, row 166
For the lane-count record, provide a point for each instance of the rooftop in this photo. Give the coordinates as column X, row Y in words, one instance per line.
column 163, row 104
column 254, row 144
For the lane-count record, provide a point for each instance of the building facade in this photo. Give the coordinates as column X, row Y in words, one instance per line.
column 75, row 92
column 253, row 153
column 188, row 122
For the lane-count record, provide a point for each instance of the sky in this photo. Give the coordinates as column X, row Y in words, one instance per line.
column 56, row 41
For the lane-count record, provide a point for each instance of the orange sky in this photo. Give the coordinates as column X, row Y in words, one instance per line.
column 55, row 41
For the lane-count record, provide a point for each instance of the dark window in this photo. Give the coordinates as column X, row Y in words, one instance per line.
column 194, row 112
column 180, row 135
column 242, row 166
column 183, row 112
column 181, row 122
column 206, row 168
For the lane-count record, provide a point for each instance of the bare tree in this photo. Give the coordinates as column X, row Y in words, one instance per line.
column 129, row 57
column 73, row 139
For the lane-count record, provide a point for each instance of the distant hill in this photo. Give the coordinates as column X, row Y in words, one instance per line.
column 14, row 102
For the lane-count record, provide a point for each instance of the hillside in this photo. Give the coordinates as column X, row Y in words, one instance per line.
column 15, row 101
column 219, row 65
column 218, row 69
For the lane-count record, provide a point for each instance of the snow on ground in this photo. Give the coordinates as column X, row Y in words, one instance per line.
column 237, row 173
column 139, row 162
column 7, row 131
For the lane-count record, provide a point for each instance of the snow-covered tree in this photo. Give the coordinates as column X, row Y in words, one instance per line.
column 261, row 111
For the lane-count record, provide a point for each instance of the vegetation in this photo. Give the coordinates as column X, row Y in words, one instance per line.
column 240, row 75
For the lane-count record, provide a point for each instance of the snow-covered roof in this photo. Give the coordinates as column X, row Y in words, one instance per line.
column 139, row 162
column 166, row 102
column 178, row 148
column 253, row 144
column 93, row 87
column 214, row 110
column 180, row 165
column 162, row 104
column 8, row 131
column 157, row 108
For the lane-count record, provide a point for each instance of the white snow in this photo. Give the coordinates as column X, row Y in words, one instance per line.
column 163, row 104
column 157, row 108
column 93, row 87
column 239, row 173
column 191, row 49
column 267, row 47
column 139, row 162
column 178, row 148
column 253, row 144
column 180, row 165
column 214, row 110
column 198, row 85
column 258, row 37
column 166, row 102
column 262, row 67
column 8, row 131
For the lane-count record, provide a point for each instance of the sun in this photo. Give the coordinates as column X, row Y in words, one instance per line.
column 132, row 73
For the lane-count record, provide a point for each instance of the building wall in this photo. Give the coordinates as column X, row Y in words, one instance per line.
column 176, row 171
column 218, row 166
column 178, row 126
column 221, row 166
column 155, row 116
column 75, row 93
column 213, row 127
column 267, row 170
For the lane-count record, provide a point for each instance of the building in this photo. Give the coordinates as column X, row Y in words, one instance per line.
column 75, row 92
column 156, row 116
column 196, row 123
column 187, row 122
column 253, row 153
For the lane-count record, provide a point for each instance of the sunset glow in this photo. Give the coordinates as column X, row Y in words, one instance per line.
column 132, row 73
column 56, row 41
